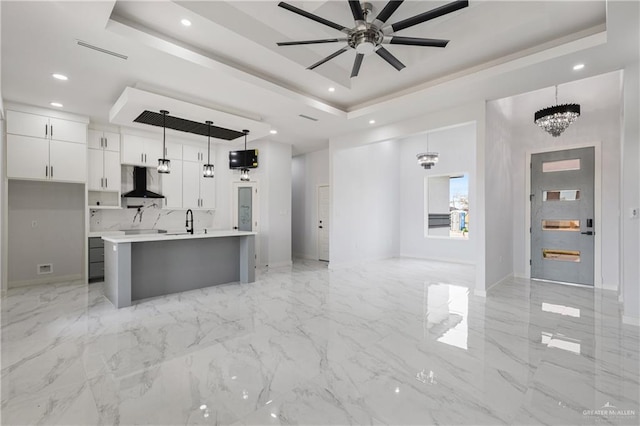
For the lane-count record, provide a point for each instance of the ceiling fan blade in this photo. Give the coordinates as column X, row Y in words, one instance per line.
column 387, row 56
column 388, row 10
column 326, row 40
column 328, row 58
column 356, row 65
column 426, row 16
column 313, row 17
column 416, row 41
column 356, row 10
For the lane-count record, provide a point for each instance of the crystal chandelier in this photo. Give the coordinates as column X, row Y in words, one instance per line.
column 427, row 159
column 557, row 118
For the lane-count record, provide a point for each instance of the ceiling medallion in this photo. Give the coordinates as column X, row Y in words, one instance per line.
column 369, row 33
column 557, row 118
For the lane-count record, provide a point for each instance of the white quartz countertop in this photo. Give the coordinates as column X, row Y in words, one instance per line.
column 105, row 233
column 173, row 236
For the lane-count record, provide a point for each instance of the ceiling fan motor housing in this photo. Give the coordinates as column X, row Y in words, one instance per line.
column 365, row 41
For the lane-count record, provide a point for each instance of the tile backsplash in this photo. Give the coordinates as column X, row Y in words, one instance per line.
column 148, row 216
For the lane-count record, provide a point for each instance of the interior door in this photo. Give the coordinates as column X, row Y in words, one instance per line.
column 323, row 223
column 245, row 208
column 562, row 216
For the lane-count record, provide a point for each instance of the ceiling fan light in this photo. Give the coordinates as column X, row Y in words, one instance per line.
column 366, row 48
column 427, row 160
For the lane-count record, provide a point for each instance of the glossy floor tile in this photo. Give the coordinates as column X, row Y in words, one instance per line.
column 400, row 342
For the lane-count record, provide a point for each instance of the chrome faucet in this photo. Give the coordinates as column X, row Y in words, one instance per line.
column 189, row 222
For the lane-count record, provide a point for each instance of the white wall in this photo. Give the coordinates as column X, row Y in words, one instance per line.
column 278, row 168
column 596, row 124
column 57, row 237
column 365, row 200
column 456, row 147
column 498, row 196
column 631, row 195
column 308, row 172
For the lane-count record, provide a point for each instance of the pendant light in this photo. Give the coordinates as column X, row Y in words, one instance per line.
column 164, row 165
column 427, row 159
column 557, row 118
column 207, row 170
column 244, row 173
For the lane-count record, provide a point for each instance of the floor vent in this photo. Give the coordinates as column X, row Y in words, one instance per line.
column 188, row 126
column 308, row 118
column 100, row 49
column 45, row 268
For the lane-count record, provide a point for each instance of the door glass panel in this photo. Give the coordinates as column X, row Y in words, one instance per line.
column 560, row 225
column 244, row 208
column 561, row 195
column 561, row 255
column 561, row 165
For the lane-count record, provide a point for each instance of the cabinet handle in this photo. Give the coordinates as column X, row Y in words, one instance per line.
column 165, row 152
column 106, row 182
column 46, row 130
column 51, row 166
column 52, row 137
column 46, row 171
column 106, row 142
column 145, row 158
column 141, row 158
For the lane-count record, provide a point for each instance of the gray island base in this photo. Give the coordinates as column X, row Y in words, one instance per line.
column 143, row 266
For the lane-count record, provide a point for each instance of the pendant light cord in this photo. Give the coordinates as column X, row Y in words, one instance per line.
column 209, row 145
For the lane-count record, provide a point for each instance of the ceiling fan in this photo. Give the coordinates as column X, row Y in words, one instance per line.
column 368, row 36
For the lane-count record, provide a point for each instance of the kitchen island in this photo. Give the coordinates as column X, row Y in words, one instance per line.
column 142, row 266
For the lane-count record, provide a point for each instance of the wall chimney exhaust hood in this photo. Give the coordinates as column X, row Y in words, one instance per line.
column 140, row 185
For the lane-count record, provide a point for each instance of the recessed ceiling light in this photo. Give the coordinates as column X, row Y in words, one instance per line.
column 186, row 22
column 60, row 77
column 56, row 104
column 372, row 121
column 578, row 67
column 332, row 89
column 273, row 132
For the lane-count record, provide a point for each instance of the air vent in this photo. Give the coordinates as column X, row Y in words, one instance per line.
column 45, row 268
column 308, row 118
column 100, row 49
column 188, row 126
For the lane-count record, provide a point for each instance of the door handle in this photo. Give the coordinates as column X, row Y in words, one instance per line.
column 588, row 233
column 320, row 226
column 235, row 227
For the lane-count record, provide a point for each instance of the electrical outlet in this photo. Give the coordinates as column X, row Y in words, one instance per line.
column 34, row 224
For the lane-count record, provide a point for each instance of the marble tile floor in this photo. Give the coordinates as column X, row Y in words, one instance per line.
column 400, row 341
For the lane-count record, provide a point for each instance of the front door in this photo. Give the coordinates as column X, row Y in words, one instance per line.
column 562, row 216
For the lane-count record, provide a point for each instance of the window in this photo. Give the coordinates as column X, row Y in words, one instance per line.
column 447, row 202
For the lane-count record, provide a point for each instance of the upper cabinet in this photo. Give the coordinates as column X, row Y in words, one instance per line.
column 108, row 141
column 45, row 148
column 140, row 151
column 104, row 161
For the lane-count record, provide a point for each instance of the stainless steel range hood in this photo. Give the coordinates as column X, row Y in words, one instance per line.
column 140, row 185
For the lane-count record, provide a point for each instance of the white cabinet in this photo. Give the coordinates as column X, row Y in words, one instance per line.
column 140, row 151
column 194, row 153
column 104, row 161
column 172, row 186
column 173, row 151
column 109, row 141
column 198, row 191
column 104, row 170
column 45, row 148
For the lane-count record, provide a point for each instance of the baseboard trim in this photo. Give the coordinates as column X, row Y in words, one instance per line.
column 48, row 280
column 280, row 264
column 631, row 320
column 483, row 293
column 439, row 259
